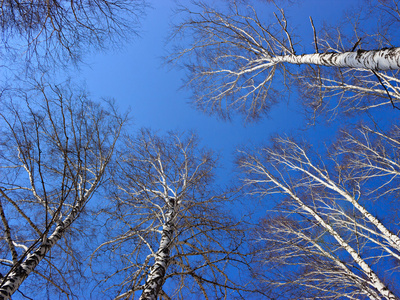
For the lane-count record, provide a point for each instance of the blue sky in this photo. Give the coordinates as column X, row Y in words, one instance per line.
column 136, row 78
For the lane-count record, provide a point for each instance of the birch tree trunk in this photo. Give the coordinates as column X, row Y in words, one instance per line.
column 156, row 276
column 240, row 61
column 168, row 224
column 14, row 280
column 295, row 158
column 58, row 149
column 313, row 184
column 374, row 279
column 284, row 241
column 376, row 60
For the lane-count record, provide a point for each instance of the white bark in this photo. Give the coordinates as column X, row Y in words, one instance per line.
column 254, row 166
column 17, row 276
column 179, row 240
column 156, row 276
column 293, row 242
column 374, row 279
column 303, row 163
column 237, row 58
column 377, row 60
column 60, row 159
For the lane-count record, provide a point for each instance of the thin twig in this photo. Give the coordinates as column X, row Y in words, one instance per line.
column 25, row 296
column 355, row 45
column 387, row 92
column 283, row 24
column 315, row 35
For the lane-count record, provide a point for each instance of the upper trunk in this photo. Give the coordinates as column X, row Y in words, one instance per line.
column 19, row 273
column 155, row 279
column 374, row 280
column 377, row 60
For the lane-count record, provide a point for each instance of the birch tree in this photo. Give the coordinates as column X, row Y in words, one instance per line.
column 371, row 156
column 298, row 259
column 58, row 32
column 334, row 91
column 175, row 237
column 239, row 59
column 324, row 238
column 55, row 148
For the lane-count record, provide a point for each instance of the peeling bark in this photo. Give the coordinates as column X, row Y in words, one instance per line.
column 233, row 56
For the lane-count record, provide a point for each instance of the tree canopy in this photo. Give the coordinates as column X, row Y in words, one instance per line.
column 93, row 205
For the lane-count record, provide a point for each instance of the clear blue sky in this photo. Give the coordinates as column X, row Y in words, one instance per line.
column 135, row 77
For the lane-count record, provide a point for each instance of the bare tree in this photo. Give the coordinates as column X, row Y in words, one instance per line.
column 299, row 260
column 55, row 148
column 174, row 237
column 371, row 156
column 238, row 62
column 338, row 90
column 60, row 31
column 323, row 225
